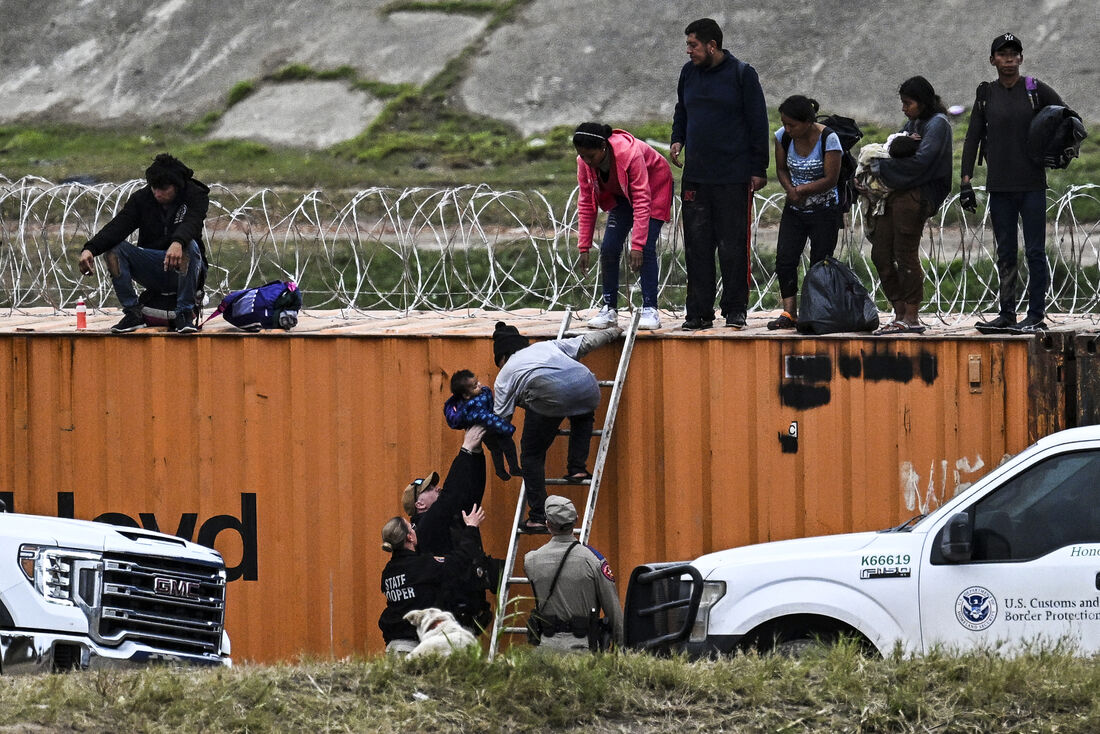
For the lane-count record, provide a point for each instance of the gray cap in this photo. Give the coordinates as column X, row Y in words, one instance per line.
column 560, row 510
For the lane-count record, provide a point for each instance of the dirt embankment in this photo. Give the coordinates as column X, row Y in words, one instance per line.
column 124, row 62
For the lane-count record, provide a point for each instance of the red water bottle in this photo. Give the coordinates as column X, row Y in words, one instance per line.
column 81, row 315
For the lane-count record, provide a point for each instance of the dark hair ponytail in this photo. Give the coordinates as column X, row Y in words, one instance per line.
column 799, row 107
column 920, row 90
column 591, row 136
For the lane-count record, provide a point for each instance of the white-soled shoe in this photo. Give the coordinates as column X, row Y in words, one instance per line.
column 650, row 319
column 605, row 318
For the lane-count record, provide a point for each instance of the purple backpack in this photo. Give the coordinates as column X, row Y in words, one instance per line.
column 271, row 306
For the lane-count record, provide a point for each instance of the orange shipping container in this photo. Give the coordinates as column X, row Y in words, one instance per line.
column 288, row 452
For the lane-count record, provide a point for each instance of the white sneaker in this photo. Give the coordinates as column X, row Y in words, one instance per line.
column 605, row 318
column 649, row 319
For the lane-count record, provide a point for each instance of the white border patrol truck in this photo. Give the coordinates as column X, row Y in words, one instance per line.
column 1009, row 563
column 76, row 594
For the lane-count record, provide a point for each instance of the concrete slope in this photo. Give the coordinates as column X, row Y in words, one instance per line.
column 572, row 60
column 126, row 62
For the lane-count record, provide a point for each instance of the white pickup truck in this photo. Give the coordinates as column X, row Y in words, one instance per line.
column 1012, row 561
column 78, row 594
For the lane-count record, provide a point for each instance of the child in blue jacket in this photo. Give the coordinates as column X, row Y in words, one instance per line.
column 471, row 403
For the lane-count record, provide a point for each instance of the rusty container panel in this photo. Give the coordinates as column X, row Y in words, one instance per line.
column 288, row 452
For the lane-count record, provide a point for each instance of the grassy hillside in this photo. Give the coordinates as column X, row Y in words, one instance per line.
column 422, row 137
column 837, row 690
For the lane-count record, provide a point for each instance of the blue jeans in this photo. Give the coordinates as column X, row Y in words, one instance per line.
column 1030, row 208
column 147, row 268
column 620, row 220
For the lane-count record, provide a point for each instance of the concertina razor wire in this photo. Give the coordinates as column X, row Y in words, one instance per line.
column 453, row 250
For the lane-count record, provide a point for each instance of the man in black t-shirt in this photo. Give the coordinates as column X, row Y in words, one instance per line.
column 999, row 125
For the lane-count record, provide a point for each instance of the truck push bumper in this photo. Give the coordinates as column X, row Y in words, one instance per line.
column 44, row 652
column 662, row 600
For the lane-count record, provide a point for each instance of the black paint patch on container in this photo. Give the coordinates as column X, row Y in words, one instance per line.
column 809, row 367
column 849, row 366
column 804, row 397
column 929, row 367
column 788, row 444
column 881, row 367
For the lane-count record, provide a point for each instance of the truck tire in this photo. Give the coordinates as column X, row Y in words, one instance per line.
column 800, row 647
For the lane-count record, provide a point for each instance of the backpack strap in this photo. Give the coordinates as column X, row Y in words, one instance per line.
column 785, row 140
column 825, row 133
column 1032, row 88
column 217, row 312
column 981, row 101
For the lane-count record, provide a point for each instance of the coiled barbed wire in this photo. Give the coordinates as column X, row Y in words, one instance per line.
column 450, row 250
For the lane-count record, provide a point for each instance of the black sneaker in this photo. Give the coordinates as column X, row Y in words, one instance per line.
column 736, row 320
column 1001, row 323
column 131, row 321
column 184, row 323
column 1030, row 325
column 697, row 324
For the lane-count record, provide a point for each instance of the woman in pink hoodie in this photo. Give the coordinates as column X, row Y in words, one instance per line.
column 633, row 183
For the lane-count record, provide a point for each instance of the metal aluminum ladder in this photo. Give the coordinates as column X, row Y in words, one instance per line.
column 508, row 580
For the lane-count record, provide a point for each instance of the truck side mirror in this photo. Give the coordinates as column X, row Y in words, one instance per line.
column 957, row 543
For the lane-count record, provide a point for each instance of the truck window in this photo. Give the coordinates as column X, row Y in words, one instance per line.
column 1053, row 504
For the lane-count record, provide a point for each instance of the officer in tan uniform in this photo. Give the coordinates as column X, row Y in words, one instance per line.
column 572, row 584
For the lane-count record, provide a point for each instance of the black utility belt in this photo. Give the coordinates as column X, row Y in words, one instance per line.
column 576, row 626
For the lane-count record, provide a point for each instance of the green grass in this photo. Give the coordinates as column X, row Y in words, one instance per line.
column 835, row 690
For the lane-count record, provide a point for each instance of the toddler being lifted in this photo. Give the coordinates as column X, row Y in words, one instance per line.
column 471, row 403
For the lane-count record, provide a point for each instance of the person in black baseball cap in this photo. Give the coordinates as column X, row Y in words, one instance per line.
column 1006, row 40
column 1016, row 185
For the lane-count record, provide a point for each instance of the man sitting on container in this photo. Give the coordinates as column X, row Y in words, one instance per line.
column 547, row 381
column 572, row 583
column 169, row 256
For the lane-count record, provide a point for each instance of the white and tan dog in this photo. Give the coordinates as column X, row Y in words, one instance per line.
column 439, row 632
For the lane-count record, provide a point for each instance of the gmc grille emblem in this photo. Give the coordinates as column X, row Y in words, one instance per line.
column 163, row 586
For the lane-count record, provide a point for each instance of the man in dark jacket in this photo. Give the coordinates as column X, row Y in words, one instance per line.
column 1017, row 186
column 438, row 516
column 169, row 257
column 721, row 122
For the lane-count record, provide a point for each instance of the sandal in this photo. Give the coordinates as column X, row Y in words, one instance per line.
column 528, row 527
column 894, row 327
column 785, row 321
column 578, row 478
column 899, row 327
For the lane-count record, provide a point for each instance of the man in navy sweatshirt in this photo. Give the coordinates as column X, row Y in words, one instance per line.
column 721, row 127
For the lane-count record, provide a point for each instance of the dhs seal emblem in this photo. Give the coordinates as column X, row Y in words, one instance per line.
column 976, row 608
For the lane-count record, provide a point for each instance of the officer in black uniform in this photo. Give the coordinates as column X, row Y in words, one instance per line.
column 412, row 580
column 435, row 512
column 572, row 584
